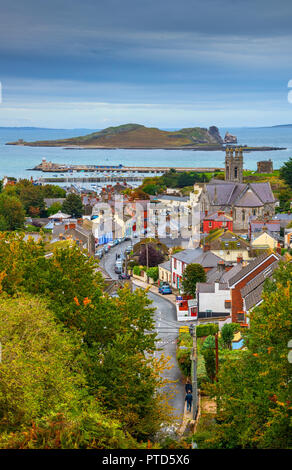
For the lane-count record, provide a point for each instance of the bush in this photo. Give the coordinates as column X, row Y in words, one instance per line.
column 207, row 329
column 137, row 270
column 153, row 273
column 183, row 357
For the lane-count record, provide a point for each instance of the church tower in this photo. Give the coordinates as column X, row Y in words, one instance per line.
column 233, row 165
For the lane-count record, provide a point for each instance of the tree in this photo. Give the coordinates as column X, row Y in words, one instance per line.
column 254, row 386
column 193, row 273
column 54, row 208
column 227, row 334
column 12, row 212
column 32, row 199
column 73, row 205
column 44, row 399
column 151, row 255
column 286, row 172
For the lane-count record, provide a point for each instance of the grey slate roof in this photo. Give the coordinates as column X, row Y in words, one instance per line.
column 166, row 265
column 206, row 259
column 52, row 200
column 206, row 287
column 170, row 197
column 259, row 279
column 252, row 265
column 229, row 193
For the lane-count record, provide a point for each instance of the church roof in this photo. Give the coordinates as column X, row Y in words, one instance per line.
column 239, row 194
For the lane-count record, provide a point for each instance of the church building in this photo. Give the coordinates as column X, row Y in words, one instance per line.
column 239, row 199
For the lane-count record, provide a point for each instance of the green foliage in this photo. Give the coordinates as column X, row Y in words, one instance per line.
column 210, row 362
column 11, row 212
column 99, row 353
column 153, row 273
column 193, row 273
column 206, row 329
column 54, row 208
column 254, row 387
column 137, row 270
column 73, row 205
column 227, row 334
column 286, row 172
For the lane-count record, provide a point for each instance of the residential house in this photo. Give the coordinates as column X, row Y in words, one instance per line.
column 264, row 241
column 257, row 226
column 180, row 260
column 217, row 220
column 164, row 272
column 251, row 276
column 227, row 245
column 213, row 297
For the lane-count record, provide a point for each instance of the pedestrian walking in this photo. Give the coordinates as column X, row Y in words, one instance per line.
column 189, row 400
column 189, row 387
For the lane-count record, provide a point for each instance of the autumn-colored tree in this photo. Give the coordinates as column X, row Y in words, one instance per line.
column 44, row 400
column 11, row 212
column 254, row 388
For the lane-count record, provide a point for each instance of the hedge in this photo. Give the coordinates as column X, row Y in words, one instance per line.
column 207, row 329
column 137, row 270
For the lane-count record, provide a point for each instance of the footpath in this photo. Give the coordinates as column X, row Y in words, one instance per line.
column 154, row 289
column 187, row 420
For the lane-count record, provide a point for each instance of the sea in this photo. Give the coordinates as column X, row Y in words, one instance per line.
column 17, row 161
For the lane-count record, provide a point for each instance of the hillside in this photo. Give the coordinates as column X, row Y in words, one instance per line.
column 137, row 136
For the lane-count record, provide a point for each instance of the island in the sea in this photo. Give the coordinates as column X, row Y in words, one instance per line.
column 136, row 136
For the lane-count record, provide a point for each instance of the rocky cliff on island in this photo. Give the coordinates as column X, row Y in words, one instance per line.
column 230, row 139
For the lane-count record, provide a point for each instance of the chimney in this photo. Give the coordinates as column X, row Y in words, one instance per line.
column 221, row 266
column 239, row 259
column 206, row 213
column 206, row 247
column 231, row 213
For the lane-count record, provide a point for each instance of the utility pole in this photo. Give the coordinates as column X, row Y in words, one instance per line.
column 193, row 333
column 216, row 352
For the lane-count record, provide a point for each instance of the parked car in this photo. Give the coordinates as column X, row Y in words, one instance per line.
column 124, row 276
column 110, row 244
column 118, row 268
column 99, row 253
column 128, row 250
column 116, row 242
column 163, row 284
column 106, row 248
column 166, row 290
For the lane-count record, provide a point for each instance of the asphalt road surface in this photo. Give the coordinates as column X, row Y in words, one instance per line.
column 167, row 330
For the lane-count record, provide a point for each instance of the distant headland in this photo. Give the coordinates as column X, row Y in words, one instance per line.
column 136, row 136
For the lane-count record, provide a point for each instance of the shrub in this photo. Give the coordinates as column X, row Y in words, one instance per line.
column 137, row 270
column 153, row 273
column 207, row 329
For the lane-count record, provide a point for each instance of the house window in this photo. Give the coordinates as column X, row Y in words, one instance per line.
column 235, row 172
column 243, row 215
column 210, row 224
column 227, row 303
column 174, row 263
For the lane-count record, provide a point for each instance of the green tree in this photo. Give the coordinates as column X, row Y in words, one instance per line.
column 44, row 400
column 286, row 172
column 12, row 212
column 227, row 334
column 73, row 205
column 193, row 273
column 254, row 387
column 54, row 208
column 32, row 199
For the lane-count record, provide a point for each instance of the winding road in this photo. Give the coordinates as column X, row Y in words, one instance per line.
column 167, row 332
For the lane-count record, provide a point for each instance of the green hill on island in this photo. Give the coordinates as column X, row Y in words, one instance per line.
column 138, row 136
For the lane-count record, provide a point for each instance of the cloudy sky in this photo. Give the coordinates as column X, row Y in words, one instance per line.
column 166, row 63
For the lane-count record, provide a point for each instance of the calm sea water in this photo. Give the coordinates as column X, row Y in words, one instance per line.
column 15, row 160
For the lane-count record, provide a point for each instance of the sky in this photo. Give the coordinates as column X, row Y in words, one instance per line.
column 163, row 63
